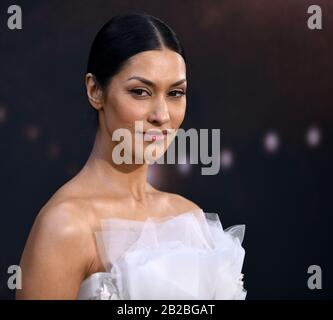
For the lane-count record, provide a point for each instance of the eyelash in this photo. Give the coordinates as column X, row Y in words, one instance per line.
column 138, row 91
column 182, row 93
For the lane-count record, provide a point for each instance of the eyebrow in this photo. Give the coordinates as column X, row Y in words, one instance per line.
column 150, row 83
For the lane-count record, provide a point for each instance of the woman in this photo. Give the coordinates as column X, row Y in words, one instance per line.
column 109, row 234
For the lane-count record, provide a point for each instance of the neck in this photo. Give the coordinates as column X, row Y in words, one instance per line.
column 129, row 180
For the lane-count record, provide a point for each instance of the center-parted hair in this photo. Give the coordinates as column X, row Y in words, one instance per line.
column 124, row 36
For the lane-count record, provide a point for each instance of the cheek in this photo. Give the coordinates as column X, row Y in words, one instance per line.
column 123, row 111
column 177, row 115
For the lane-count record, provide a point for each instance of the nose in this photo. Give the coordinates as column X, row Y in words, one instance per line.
column 160, row 113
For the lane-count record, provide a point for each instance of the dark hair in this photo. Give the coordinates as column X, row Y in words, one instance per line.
column 124, row 36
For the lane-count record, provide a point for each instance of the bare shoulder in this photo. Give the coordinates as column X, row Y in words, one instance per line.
column 59, row 250
column 64, row 225
column 66, row 213
column 180, row 203
column 65, row 218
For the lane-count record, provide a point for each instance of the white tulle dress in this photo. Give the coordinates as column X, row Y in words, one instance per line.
column 188, row 256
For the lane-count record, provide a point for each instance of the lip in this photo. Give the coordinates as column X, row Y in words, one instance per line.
column 154, row 135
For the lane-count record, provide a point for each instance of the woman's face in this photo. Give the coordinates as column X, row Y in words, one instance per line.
column 150, row 88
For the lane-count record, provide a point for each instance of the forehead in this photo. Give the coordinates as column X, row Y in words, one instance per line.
column 156, row 65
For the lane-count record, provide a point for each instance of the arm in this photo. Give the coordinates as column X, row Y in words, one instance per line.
column 57, row 255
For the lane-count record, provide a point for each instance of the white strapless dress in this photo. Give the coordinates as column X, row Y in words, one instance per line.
column 184, row 257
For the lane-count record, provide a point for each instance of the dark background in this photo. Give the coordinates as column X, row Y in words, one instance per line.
column 253, row 67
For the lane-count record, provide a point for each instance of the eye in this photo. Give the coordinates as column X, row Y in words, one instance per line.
column 176, row 93
column 140, row 92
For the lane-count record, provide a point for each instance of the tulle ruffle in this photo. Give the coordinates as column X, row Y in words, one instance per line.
column 188, row 256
